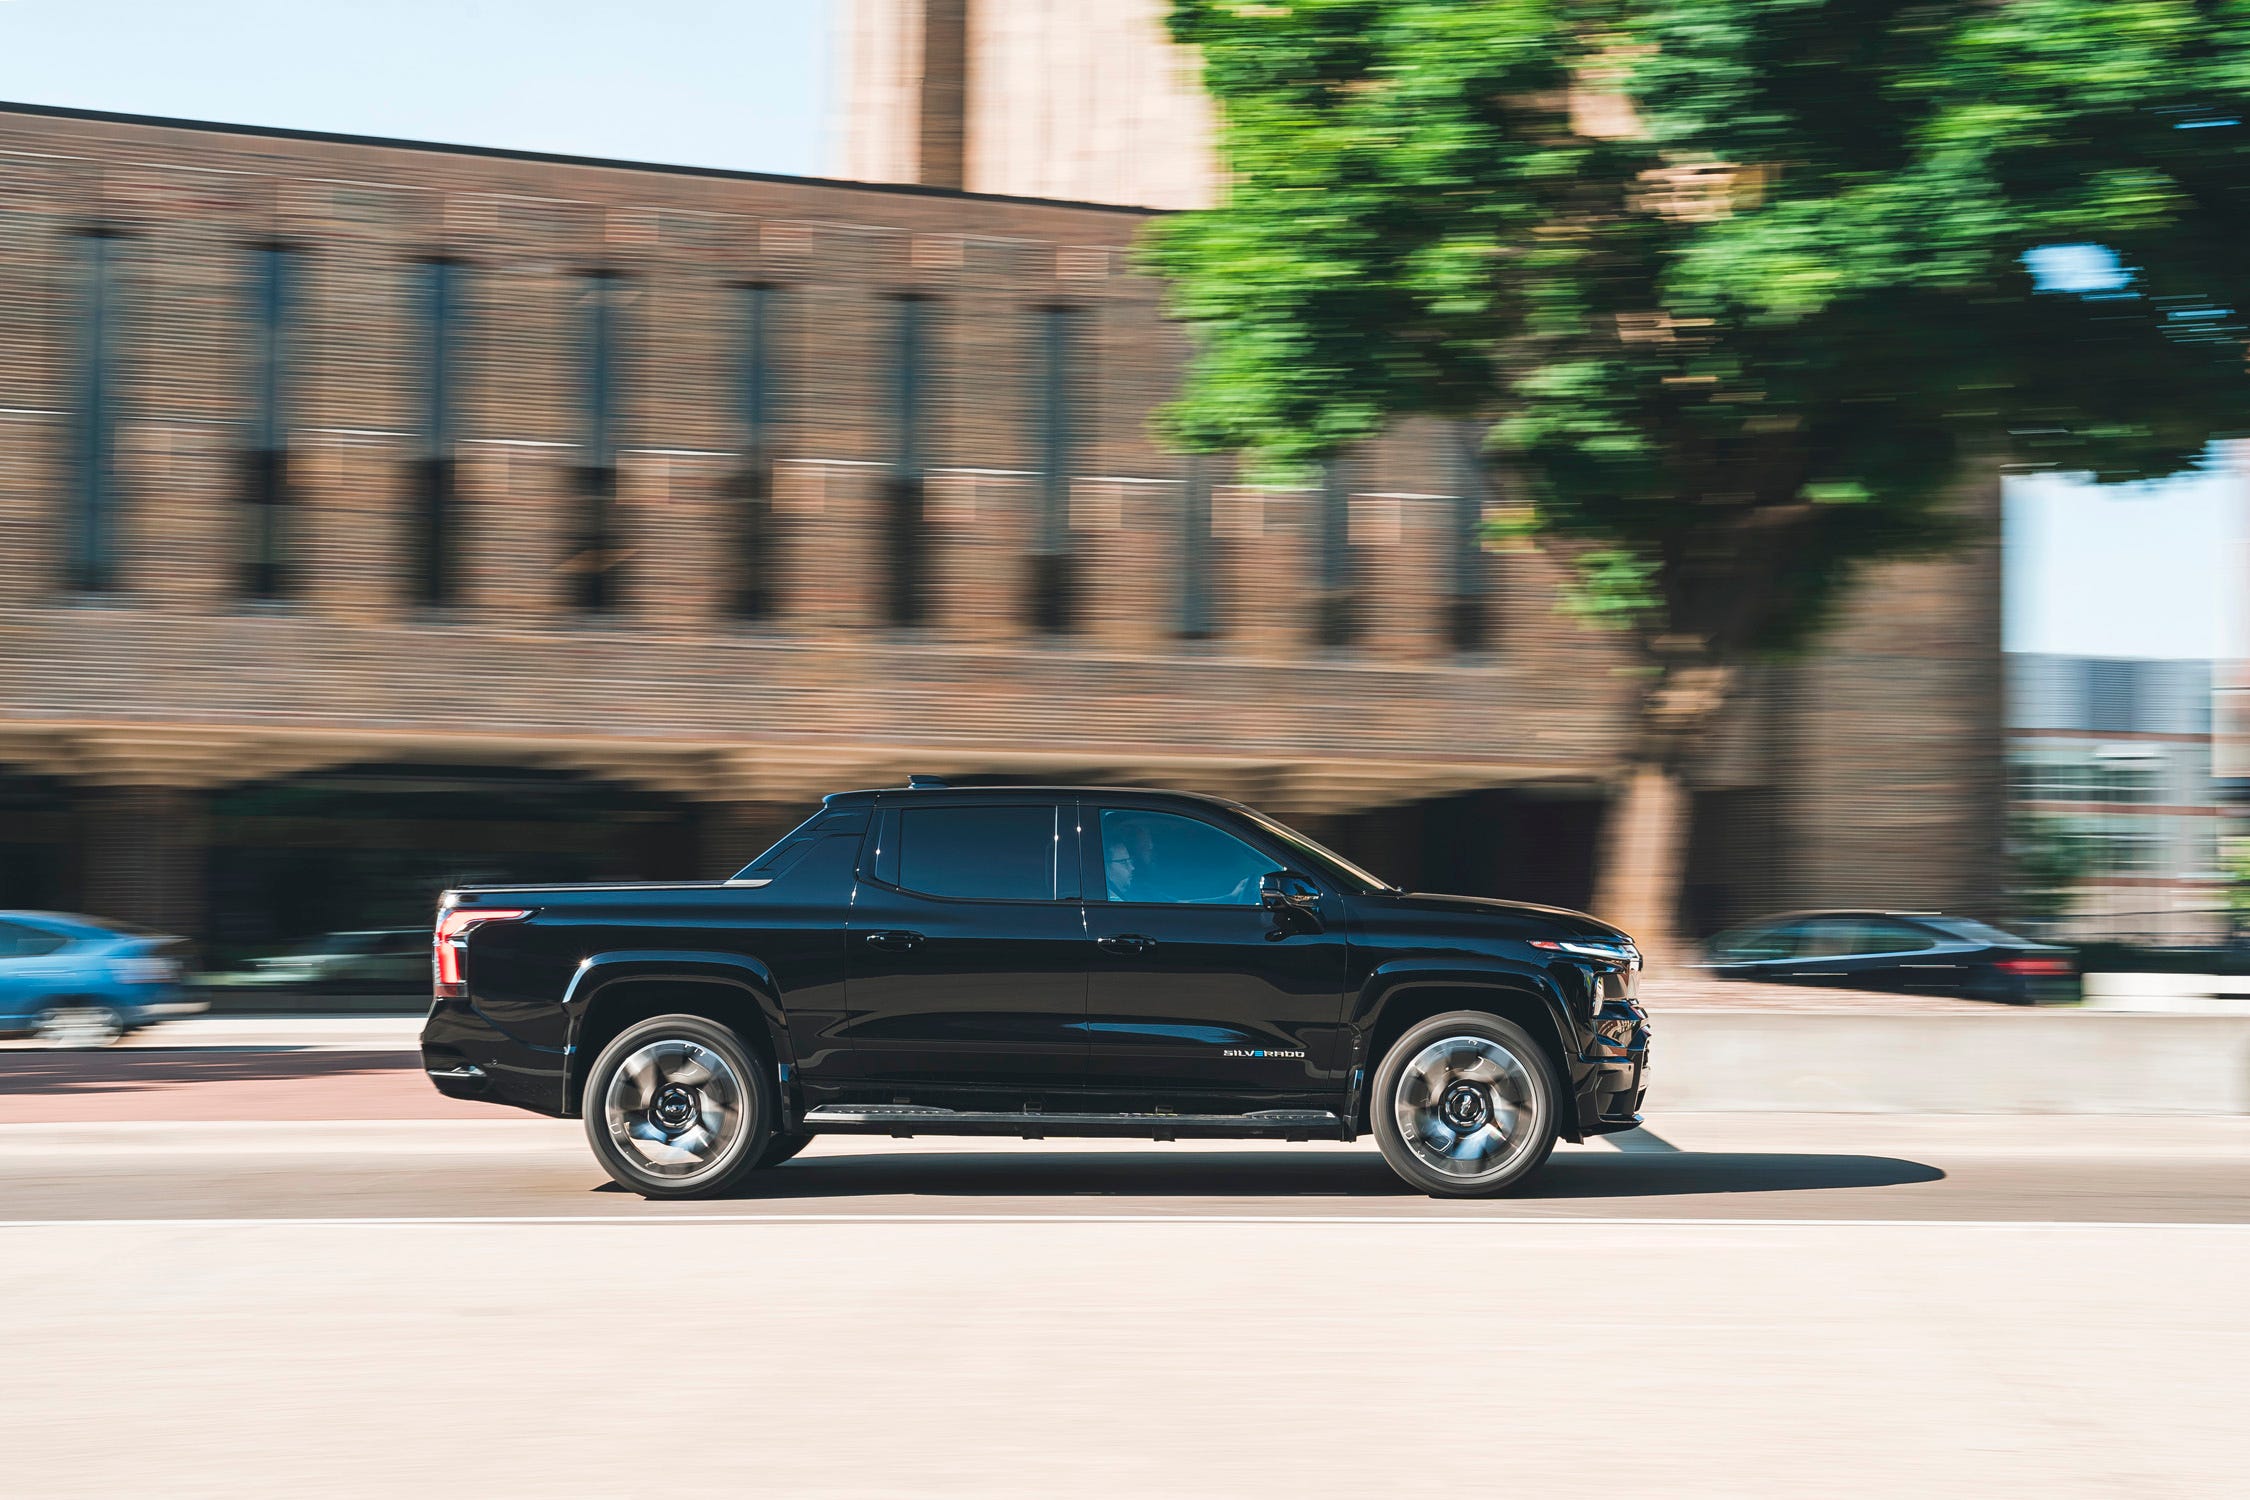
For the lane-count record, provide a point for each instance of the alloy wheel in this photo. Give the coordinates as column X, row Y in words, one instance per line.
column 79, row 1026
column 1466, row 1107
column 675, row 1108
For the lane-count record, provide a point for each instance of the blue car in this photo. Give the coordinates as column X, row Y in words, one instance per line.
column 84, row 982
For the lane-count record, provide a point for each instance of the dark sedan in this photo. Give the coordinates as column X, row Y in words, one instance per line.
column 1912, row 952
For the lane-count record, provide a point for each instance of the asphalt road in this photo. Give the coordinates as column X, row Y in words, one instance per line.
column 1730, row 1305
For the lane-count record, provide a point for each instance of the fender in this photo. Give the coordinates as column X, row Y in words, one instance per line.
column 1403, row 976
column 732, row 971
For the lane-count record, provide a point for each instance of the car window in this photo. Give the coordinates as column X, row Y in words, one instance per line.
column 1847, row 937
column 1749, row 945
column 1980, row 932
column 1830, row 937
column 982, row 853
column 1881, row 936
column 21, row 940
column 1175, row 860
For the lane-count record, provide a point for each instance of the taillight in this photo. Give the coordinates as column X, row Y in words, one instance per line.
column 2042, row 967
column 452, row 933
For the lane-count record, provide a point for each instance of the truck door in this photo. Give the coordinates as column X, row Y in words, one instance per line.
column 1196, row 987
column 966, row 950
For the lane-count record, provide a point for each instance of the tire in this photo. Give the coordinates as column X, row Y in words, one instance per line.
column 678, row 1107
column 779, row 1148
column 79, row 1024
column 1465, row 1106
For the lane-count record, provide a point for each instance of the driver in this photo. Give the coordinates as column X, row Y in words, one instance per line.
column 1131, row 860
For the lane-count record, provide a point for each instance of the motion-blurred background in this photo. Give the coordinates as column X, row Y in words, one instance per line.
column 378, row 516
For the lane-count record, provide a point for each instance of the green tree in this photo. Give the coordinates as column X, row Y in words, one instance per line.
column 2045, row 865
column 1739, row 289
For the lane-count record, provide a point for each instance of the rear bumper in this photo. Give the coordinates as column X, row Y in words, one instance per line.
column 165, row 1010
column 465, row 1056
column 1613, row 1083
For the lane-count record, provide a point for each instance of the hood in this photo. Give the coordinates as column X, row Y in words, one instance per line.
column 1550, row 921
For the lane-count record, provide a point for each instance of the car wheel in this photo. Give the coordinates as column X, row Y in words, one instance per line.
column 779, row 1148
column 1465, row 1105
column 678, row 1107
column 79, row 1023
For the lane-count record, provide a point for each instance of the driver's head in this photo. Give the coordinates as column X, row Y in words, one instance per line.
column 1127, row 851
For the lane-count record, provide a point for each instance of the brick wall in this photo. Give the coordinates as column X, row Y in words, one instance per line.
column 181, row 682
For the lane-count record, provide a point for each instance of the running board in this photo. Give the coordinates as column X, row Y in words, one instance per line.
column 923, row 1119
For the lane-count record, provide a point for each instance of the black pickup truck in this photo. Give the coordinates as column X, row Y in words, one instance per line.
column 1038, row 961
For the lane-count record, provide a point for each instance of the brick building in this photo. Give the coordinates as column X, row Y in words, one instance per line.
column 2112, row 756
column 376, row 515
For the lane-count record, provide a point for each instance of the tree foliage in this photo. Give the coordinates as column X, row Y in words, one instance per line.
column 1737, row 285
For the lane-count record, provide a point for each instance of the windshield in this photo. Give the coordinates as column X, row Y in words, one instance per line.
column 1319, row 860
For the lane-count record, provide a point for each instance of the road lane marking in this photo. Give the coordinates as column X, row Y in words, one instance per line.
column 1544, row 1220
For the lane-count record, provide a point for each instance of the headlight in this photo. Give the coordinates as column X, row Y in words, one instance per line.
column 1616, row 951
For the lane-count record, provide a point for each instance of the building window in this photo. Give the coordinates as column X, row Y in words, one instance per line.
column 2118, row 846
column 758, row 311
column 90, row 546
column 592, row 566
column 437, row 300
column 1195, row 549
column 1334, row 623
column 2113, row 695
column 1053, row 419
column 2138, row 779
column 265, row 479
column 1468, row 615
column 903, row 492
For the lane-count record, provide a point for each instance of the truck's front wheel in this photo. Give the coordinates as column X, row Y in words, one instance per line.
column 678, row 1107
column 1465, row 1106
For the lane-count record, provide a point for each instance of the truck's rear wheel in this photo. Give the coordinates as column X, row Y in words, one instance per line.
column 1465, row 1105
column 678, row 1107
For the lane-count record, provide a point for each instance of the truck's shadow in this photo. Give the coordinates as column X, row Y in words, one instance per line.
column 1157, row 1173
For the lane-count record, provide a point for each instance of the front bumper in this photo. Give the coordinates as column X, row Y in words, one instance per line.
column 1613, row 1082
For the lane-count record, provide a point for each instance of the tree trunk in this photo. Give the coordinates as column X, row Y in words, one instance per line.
column 1644, row 855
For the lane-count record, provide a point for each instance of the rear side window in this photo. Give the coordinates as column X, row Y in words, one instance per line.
column 978, row 853
column 828, row 824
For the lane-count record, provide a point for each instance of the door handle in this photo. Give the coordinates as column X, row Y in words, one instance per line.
column 1127, row 942
column 894, row 942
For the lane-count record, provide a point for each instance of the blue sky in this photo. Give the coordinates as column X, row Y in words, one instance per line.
column 718, row 83
column 2126, row 570
column 2150, row 571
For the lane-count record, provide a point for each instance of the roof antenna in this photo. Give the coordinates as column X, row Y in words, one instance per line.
column 926, row 784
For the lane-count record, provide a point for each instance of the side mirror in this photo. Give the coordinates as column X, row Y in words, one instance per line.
column 1285, row 891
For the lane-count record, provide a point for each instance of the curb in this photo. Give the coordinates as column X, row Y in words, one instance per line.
column 2007, row 1062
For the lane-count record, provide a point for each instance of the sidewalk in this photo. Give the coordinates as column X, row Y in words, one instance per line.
column 400, row 1033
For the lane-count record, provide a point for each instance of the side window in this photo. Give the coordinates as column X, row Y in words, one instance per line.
column 978, row 853
column 1749, row 945
column 1163, row 857
column 1893, row 937
column 1847, row 937
column 1830, row 937
column 19, row 941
